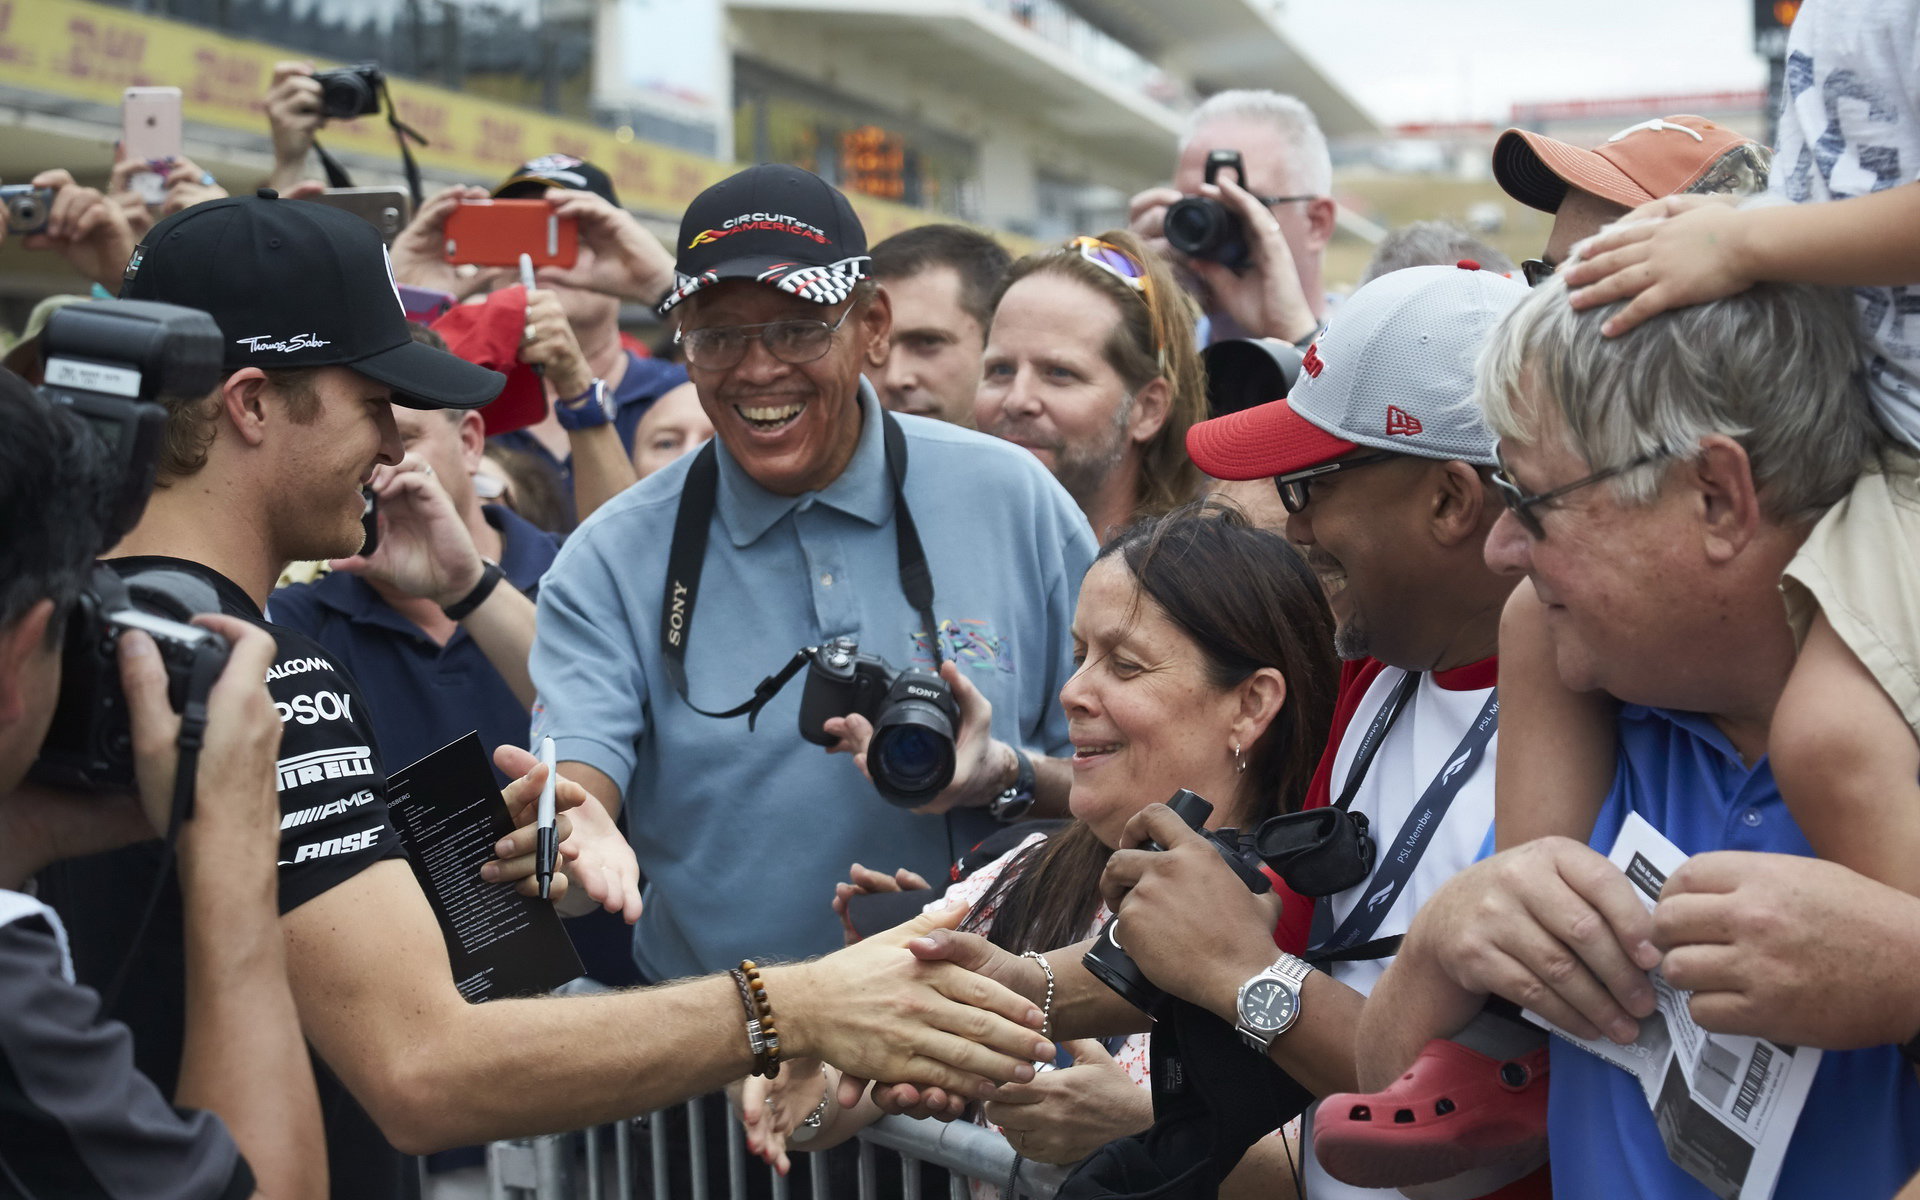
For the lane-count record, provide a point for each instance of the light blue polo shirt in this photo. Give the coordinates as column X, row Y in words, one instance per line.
column 741, row 836
column 1859, row 1134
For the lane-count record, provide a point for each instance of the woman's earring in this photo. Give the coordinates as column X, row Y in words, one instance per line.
column 1239, row 764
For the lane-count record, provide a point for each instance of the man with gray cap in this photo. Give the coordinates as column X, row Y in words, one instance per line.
column 801, row 522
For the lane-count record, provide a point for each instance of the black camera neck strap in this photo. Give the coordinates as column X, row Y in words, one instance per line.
column 1376, row 733
column 403, row 133
column 687, row 557
column 1399, row 857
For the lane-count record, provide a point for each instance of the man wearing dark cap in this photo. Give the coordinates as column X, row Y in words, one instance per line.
column 1586, row 189
column 812, row 506
column 597, row 389
column 267, row 469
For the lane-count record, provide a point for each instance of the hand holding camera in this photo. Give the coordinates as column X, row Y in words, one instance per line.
column 923, row 739
column 79, row 223
column 294, row 112
column 1189, row 916
column 1262, row 294
column 419, row 253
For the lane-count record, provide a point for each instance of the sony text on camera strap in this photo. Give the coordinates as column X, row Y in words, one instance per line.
column 687, row 556
column 1398, row 858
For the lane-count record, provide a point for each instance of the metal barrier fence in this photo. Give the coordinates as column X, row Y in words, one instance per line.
column 600, row 1163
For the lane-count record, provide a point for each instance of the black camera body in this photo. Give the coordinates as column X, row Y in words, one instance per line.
column 109, row 363
column 27, row 208
column 89, row 744
column 1109, row 961
column 913, row 712
column 349, row 92
column 1202, row 227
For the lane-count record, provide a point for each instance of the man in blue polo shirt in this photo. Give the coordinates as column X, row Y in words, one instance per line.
column 742, row 833
column 1657, row 486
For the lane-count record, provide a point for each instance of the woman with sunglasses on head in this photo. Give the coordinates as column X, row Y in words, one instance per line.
column 1090, row 364
column 1205, row 661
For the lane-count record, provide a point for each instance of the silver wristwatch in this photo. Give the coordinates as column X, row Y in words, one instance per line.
column 1269, row 1003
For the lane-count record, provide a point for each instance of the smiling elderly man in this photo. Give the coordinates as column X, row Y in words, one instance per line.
column 797, row 522
column 1657, row 486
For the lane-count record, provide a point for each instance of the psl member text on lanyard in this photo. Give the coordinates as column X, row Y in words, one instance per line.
column 1399, row 857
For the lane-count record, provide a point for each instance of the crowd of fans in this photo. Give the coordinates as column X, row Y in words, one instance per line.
column 1503, row 559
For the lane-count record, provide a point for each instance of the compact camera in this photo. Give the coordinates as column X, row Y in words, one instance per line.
column 89, row 745
column 1202, row 227
column 110, row 363
column 1109, row 961
column 913, row 713
column 27, row 208
column 349, row 92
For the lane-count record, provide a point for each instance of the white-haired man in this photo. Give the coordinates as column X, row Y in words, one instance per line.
column 1283, row 200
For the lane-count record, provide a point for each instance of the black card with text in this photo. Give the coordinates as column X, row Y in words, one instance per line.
column 449, row 813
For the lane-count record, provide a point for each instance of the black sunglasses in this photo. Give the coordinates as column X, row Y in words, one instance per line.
column 1522, row 503
column 1537, row 270
column 1294, row 486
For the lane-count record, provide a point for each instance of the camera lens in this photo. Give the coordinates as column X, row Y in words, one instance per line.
column 911, row 756
column 1192, row 225
column 347, row 95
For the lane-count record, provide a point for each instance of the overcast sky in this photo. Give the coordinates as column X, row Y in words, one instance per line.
column 1449, row 60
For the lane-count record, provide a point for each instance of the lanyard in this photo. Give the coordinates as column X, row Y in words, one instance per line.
column 1399, row 857
column 687, row 556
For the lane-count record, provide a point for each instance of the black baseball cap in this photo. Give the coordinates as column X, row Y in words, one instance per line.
column 532, row 179
column 776, row 224
column 299, row 285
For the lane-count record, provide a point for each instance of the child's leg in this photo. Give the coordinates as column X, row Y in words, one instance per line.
column 1555, row 759
column 1847, row 763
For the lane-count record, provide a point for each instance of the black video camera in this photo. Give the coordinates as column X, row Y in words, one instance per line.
column 1109, row 960
column 110, row 362
column 1202, row 227
column 913, row 713
column 349, row 92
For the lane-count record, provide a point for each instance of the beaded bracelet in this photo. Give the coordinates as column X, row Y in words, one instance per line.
column 1046, row 1008
column 760, row 1011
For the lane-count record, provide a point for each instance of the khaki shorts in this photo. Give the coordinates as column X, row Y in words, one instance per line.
column 1861, row 566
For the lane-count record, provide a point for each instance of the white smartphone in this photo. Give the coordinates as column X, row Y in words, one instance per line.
column 150, row 132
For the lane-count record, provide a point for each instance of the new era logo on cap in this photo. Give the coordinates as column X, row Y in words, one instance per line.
column 1402, row 352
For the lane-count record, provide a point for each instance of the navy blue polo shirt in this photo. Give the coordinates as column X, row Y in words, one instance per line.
column 645, row 380
column 419, row 694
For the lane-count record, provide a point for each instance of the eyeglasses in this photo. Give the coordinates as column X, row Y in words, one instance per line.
column 1538, row 270
column 1128, row 270
column 1522, row 504
column 721, row 347
column 1294, row 485
column 1270, row 201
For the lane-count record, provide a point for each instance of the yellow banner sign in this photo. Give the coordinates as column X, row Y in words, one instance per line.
column 85, row 51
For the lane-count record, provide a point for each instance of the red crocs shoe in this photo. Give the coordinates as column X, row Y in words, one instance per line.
column 1455, row 1110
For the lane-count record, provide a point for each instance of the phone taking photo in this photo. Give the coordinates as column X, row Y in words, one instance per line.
column 495, row 233
column 151, row 132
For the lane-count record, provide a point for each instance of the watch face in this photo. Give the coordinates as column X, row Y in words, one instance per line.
column 1268, row 1005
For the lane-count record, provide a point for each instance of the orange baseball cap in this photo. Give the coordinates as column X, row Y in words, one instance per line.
column 1642, row 162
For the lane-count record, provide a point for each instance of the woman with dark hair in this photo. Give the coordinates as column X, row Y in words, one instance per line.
column 1205, row 661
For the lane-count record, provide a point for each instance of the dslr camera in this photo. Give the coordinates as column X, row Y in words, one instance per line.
column 913, row 713
column 1109, row 961
column 1202, row 227
column 27, row 208
column 349, row 92
column 110, row 363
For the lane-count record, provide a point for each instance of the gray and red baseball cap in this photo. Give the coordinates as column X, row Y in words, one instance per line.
column 1393, row 370
column 299, row 285
column 775, row 224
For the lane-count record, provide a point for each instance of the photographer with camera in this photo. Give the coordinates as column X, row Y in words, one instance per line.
column 1249, row 215
column 77, row 1108
column 80, row 224
column 266, row 467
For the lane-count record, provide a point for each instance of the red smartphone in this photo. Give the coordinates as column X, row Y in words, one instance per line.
column 495, row 233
